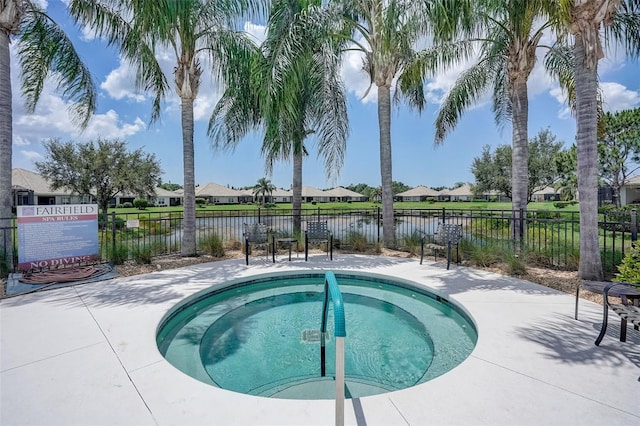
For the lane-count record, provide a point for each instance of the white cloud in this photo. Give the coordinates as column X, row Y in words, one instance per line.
column 20, row 141
column 617, row 97
column 109, row 125
column 355, row 79
column 31, row 155
column 120, row 83
column 561, row 96
column 257, row 32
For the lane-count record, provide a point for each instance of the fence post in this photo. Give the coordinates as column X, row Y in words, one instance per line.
column 113, row 234
column 378, row 221
column 258, row 214
column 634, row 225
column 444, row 215
column 521, row 230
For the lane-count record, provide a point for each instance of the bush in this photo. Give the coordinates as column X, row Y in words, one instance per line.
column 412, row 242
column 357, row 241
column 516, row 265
column 140, row 203
column 233, row 245
column 485, row 256
column 4, row 266
column 127, row 205
column 561, row 204
column 212, row 245
column 431, row 200
column 142, row 255
column 629, row 269
column 117, row 255
column 200, row 202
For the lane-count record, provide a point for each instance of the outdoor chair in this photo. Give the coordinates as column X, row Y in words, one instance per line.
column 318, row 233
column 628, row 309
column 446, row 236
column 259, row 236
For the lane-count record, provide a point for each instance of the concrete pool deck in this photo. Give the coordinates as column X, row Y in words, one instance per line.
column 86, row 355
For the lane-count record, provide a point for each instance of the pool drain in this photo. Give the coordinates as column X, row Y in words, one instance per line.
column 311, row 336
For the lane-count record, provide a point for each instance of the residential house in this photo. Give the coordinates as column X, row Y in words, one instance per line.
column 29, row 188
column 310, row 194
column 218, row 194
column 630, row 191
column 164, row 198
column 341, row 194
column 280, row 195
column 548, row 193
column 461, row 193
column 419, row 193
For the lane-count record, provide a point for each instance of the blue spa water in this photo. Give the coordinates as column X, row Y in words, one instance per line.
column 259, row 336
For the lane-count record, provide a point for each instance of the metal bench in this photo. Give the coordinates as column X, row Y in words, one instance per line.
column 446, row 236
column 318, row 233
column 258, row 235
column 628, row 310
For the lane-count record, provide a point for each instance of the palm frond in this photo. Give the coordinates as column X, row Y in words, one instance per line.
column 625, row 28
column 467, row 90
column 136, row 40
column 45, row 50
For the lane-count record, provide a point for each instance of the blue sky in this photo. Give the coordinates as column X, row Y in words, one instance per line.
column 124, row 113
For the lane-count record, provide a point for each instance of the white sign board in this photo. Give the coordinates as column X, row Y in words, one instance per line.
column 57, row 235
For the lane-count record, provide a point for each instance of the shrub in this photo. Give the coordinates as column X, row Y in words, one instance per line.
column 431, row 200
column 212, row 245
column 485, row 255
column 117, row 255
column 142, row 255
column 561, row 204
column 127, row 205
column 516, row 265
column 200, row 202
column 412, row 241
column 233, row 245
column 629, row 269
column 357, row 241
column 4, row 266
column 140, row 203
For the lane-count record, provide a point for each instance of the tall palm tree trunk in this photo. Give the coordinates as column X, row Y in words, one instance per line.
column 189, row 219
column 586, row 84
column 520, row 159
column 297, row 193
column 6, row 135
column 384, row 121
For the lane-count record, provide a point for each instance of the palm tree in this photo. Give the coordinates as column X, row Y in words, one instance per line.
column 385, row 33
column 264, row 187
column 43, row 50
column 510, row 34
column 290, row 90
column 193, row 31
column 621, row 23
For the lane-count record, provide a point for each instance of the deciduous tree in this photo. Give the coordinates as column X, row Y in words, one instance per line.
column 619, row 148
column 103, row 169
column 493, row 170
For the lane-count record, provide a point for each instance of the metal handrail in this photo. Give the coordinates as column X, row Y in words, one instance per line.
column 331, row 289
column 331, row 284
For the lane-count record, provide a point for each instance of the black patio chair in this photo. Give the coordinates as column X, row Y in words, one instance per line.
column 259, row 236
column 318, row 233
column 446, row 236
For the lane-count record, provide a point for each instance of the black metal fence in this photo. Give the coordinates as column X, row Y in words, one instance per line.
column 552, row 236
